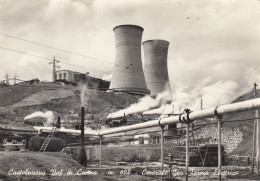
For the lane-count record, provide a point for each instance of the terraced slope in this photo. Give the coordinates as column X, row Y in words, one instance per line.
column 43, row 97
column 13, row 94
column 64, row 101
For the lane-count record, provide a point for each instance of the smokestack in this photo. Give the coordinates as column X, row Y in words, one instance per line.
column 58, row 125
column 82, row 126
column 82, row 156
column 128, row 75
column 155, row 66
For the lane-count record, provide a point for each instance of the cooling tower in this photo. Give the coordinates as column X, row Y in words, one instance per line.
column 155, row 66
column 128, row 75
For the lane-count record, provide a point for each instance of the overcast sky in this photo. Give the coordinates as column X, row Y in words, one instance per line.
column 214, row 50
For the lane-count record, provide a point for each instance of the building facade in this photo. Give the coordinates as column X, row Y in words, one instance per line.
column 68, row 77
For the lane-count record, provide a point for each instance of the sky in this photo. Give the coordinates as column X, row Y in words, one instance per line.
column 213, row 54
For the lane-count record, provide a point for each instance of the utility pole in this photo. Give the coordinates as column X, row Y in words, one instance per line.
column 201, row 104
column 54, row 68
column 7, row 79
column 255, row 137
column 15, row 78
column 257, row 133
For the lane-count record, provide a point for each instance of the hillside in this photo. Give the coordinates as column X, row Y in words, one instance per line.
column 65, row 101
column 18, row 101
column 13, row 94
column 243, row 125
column 246, row 127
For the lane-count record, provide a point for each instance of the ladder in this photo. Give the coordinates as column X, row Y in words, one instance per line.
column 47, row 140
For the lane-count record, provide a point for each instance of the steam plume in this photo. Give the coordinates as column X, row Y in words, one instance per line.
column 48, row 115
column 144, row 104
column 83, row 95
column 164, row 109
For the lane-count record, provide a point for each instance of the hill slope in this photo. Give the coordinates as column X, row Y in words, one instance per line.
column 64, row 101
column 246, row 127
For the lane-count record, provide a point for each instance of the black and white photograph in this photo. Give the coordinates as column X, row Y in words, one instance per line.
column 129, row 90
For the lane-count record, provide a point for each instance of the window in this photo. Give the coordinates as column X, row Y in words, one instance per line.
column 60, row 76
column 64, row 76
column 56, row 75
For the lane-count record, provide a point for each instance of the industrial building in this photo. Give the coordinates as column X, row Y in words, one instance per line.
column 68, row 77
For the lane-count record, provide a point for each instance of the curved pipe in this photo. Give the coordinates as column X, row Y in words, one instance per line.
column 206, row 113
column 192, row 116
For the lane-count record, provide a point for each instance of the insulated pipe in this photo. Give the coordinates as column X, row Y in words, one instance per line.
column 206, row 113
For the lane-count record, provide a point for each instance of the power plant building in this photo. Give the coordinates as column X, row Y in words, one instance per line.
column 68, row 77
column 155, row 66
column 128, row 75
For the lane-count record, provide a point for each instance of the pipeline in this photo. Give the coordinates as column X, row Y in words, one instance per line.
column 185, row 117
column 189, row 117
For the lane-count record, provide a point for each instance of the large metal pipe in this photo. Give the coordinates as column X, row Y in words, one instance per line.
column 155, row 65
column 128, row 75
column 206, row 113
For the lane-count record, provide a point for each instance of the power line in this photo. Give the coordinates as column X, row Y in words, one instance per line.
column 78, row 54
column 51, row 59
column 89, row 68
column 25, row 53
column 59, row 49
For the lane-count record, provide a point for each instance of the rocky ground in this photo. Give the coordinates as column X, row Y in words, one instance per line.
column 60, row 166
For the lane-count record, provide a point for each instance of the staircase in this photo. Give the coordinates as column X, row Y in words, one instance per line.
column 47, row 140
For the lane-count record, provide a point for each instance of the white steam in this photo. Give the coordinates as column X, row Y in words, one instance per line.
column 164, row 109
column 144, row 104
column 48, row 115
column 212, row 95
column 83, row 95
column 168, row 103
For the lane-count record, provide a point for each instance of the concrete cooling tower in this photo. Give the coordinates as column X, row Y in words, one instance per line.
column 128, row 75
column 155, row 66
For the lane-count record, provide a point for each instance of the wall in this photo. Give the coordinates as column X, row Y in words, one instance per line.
column 69, row 75
column 127, row 152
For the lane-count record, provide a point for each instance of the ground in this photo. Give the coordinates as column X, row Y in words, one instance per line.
column 51, row 164
column 56, row 167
